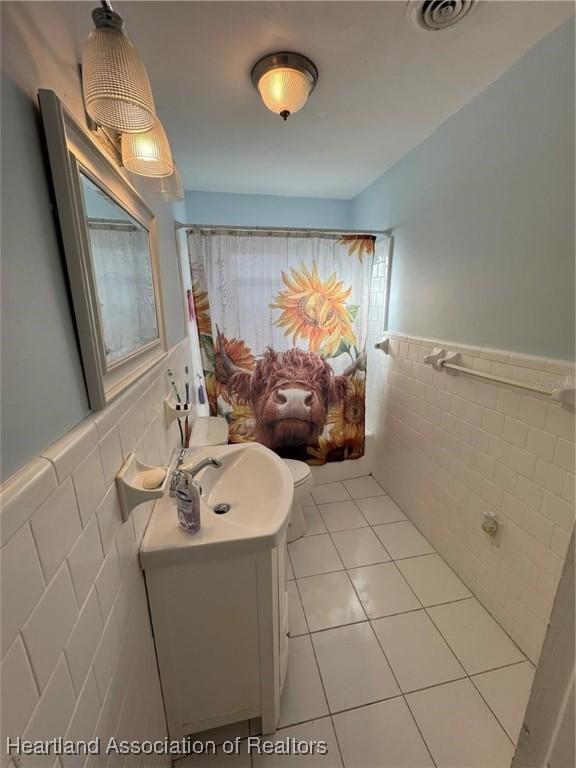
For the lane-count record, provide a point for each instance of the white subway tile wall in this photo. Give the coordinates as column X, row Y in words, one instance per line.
column 77, row 650
column 448, row 448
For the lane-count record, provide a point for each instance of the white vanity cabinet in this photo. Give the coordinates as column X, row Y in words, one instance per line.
column 218, row 597
column 221, row 633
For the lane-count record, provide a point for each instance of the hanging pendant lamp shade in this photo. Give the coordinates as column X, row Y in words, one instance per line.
column 284, row 82
column 116, row 87
column 148, row 154
column 171, row 187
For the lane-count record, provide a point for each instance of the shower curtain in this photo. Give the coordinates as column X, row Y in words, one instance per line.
column 282, row 320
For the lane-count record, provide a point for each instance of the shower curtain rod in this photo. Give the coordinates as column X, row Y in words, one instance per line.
column 223, row 228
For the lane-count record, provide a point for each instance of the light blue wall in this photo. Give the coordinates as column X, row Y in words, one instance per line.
column 43, row 394
column 268, row 210
column 483, row 214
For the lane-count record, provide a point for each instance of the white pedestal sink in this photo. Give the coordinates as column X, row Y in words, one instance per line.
column 259, row 489
column 218, row 597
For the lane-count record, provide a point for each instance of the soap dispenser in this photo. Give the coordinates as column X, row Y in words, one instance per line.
column 188, row 503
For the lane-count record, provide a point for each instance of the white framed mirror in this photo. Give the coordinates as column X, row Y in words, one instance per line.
column 109, row 240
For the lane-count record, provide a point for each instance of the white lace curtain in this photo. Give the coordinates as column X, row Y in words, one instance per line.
column 125, row 288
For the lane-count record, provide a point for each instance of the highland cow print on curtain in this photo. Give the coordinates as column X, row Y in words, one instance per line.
column 282, row 320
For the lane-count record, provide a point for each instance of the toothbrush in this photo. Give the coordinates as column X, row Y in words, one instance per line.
column 201, row 395
column 178, row 401
column 187, row 386
column 173, row 384
column 186, row 434
column 187, row 406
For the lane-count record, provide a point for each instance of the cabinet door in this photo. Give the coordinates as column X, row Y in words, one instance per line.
column 283, row 628
column 206, row 626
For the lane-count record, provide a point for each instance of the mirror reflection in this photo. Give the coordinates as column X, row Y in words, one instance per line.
column 122, row 268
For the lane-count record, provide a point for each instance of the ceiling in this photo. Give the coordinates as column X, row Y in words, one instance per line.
column 383, row 84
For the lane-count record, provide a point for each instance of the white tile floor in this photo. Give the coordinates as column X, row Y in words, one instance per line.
column 392, row 661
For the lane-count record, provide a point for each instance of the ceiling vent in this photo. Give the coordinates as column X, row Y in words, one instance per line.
column 436, row 15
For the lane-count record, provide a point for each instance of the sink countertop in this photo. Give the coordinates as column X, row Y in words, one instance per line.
column 259, row 487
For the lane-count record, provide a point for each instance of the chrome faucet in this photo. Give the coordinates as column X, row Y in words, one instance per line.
column 193, row 471
column 210, row 462
column 179, row 473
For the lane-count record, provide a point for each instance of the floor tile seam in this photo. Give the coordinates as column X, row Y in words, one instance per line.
column 372, row 703
column 392, row 559
column 320, row 676
column 348, row 577
column 385, row 657
column 442, row 635
column 428, row 747
column 353, row 500
column 435, row 552
column 473, row 597
column 500, row 723
column 403, row 694
column 470, row 675
column 363, row 621
column 334, row 714
column 380, row 618
column 466, row 675
column 390, row 667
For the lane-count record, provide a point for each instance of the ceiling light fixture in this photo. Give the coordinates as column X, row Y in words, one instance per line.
column 115, row 83
column 284, row 81
column 148, row 154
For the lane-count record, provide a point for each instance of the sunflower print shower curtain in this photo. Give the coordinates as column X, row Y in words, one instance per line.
column 282, row 321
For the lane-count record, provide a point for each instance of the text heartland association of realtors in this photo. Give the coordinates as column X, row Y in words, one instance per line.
column 181, row 747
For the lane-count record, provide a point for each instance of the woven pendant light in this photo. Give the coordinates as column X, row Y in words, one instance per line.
column 171, row 187
column 148, row 154
column 117, row 91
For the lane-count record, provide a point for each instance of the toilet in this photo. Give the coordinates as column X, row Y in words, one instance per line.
column 302, row 477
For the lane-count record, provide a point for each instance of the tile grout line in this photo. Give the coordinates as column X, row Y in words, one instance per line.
column 514, row 743
column 399, row 686
column 378, row 643
column 491, row 407
column 426, row 554
column 428, row 749
column 468, row 676
column 425, row 608
column 452, row 651
column 320, row 677
column 388, row 698
column 402, row 694
column 310, row 634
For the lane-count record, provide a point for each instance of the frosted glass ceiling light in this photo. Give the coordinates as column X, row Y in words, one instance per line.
column 148, row 154
column 284, row 81
column 116, row 87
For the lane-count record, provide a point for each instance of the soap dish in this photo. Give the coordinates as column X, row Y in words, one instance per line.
column 129, row 482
